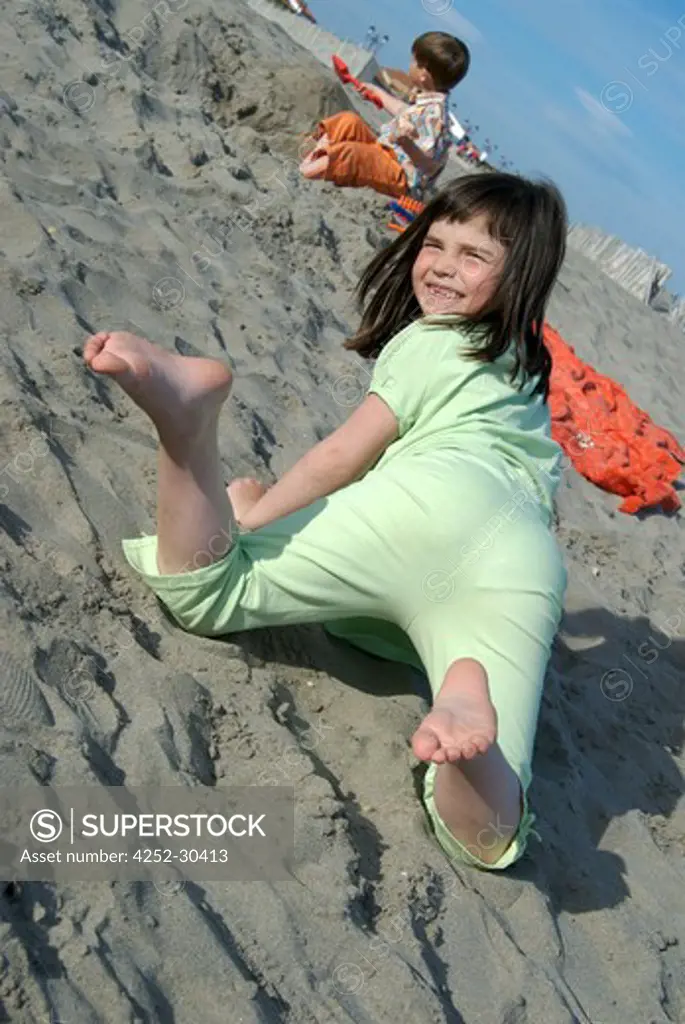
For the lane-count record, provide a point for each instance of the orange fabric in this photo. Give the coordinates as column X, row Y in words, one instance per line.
column 609, row 440
column 357, row 160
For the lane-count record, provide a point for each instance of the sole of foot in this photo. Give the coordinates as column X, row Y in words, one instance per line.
column 462, row 723
column 179, row 393
column 315, row 168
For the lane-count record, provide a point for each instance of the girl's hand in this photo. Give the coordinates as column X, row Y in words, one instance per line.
column 244, row 493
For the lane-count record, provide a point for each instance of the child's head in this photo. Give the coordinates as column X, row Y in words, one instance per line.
column 458, row 266
column 439, row 61
column 486, row 251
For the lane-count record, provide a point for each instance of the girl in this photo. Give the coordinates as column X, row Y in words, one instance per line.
column 419, row 529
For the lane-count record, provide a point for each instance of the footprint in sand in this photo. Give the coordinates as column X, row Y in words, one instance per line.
column 21, row 700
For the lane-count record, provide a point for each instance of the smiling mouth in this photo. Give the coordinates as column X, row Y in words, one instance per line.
column 444, row 293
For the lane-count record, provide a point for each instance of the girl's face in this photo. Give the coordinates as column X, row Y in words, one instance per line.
column 458, row 267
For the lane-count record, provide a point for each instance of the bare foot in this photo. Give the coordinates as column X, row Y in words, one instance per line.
column 180, row 394
column 312, row 143
column 463, row 721
column 316, row 169
column 316, row 154
column 316, row 162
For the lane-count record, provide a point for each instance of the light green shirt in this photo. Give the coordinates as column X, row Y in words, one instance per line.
column 443, row 400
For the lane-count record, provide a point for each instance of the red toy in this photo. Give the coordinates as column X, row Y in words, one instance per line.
column 343, row 72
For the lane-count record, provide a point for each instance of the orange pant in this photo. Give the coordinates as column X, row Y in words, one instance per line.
column 356, row 158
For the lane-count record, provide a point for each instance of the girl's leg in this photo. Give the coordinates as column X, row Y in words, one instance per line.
column 476, row 793
column 183, row 398
column 485, row 647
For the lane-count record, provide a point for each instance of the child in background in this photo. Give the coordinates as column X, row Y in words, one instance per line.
column 420, row 529
column 411, row 149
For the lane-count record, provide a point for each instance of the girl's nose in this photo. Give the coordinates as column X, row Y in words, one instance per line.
column 445, row 265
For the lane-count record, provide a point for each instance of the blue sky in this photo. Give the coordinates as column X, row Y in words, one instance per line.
column 588, row 92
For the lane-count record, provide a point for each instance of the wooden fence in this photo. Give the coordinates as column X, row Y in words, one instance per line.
column 635, row 270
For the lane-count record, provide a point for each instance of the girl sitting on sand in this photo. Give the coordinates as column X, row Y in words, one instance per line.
column 419, row 530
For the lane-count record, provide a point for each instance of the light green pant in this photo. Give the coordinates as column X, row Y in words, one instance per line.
column 427, row 560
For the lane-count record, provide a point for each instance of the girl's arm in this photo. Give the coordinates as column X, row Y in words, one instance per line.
column 338, row 460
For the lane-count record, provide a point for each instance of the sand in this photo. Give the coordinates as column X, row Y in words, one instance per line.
column 163, row 197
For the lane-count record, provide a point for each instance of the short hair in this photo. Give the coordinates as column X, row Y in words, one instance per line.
column 444, row 56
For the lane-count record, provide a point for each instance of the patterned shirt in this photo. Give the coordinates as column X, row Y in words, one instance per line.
column 428, row 114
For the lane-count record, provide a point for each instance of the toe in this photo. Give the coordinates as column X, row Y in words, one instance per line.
column 425, row 744
column 464, row 752
column 453, row 754
column 94, row 344
column 104, row 361
column 482, row 744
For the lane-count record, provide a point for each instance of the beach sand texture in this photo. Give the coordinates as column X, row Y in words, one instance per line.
column 162, row 196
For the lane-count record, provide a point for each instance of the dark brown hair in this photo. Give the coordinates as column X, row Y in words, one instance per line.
column 527, row 217
column 445, row 56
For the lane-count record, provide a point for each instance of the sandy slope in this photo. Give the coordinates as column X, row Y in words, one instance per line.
column 121, row 208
